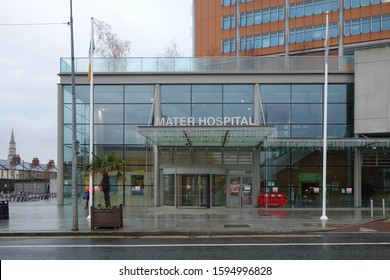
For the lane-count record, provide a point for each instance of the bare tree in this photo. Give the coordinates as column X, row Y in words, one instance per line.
column 108, row 43
column 172, row 50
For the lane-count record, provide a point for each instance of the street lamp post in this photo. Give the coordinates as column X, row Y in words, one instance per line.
column 75, row 215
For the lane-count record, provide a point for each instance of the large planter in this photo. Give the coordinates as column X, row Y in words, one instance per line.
column 107, row 218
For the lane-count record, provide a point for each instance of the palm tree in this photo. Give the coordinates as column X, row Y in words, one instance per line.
column 105, row 166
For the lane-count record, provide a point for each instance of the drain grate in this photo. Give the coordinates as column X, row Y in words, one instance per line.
column 236, row 226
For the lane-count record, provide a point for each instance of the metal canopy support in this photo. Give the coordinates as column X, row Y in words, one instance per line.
column 225, row 138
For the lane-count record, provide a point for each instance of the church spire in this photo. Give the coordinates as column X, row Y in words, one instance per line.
column 12, row 147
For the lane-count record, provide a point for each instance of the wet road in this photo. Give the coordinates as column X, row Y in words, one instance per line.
column 315, row 246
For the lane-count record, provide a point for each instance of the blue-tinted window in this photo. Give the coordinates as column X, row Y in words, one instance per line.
column 175, row 94
column 274, row 39
column 257, row 41
column 299, row 35
column 266, row 15
column 249, row 42
column 281, row 38
column 266, row 40
column 347, row 28
column 355, row 27
column 326, row 6
column 308, row 33
column 299, row 12
column 306, row 113
column 274, row 14
column 375, row 24
column 365, row 3
column 355, row 3
column 249, row 19
column 365, row 25
column 234, row 110
column 176, row 110
column 292, row 11
column 139, row 94
column 275, row 93
column 257, row 17
column 306, row 131
column 292, row 36
column 108, row 114
column 108, row 94
column 238, row 93
column 317, row 7
column 306, row 93
column 386, row 22
column 277, row 113
column 308, row 9
column 206, row 110
column 138, row 113
column 334, row 5
column 207, row 94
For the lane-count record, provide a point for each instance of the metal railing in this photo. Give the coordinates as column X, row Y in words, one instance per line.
column 253, row 64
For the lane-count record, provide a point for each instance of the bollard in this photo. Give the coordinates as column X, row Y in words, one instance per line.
column 383, row 207
column 372, row 209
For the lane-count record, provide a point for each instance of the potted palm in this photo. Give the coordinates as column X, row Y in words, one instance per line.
column 107, row 216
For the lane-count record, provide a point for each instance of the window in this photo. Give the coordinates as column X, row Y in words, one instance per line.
column 299, row 35
column 355, row 27
column 376, row 24
column 365, row 25
column 249, row 42
column 274, row 39
column 274, row 14
column 228, row 2
column 266, row 40
column 281, row 38
column 299, row 10
column 347, row 28
column 317, row 7
column 108, row 94
column 308, row 33
column 308, row 9
column 257, row 41
column 266, row 15
column 229, row 46
column 229, row 22
column 249, row 19
column 175, row 94
column 257, row 17
column 386, row 22
column 327, row 6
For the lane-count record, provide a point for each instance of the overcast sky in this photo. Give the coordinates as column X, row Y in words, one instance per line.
column 30, row 56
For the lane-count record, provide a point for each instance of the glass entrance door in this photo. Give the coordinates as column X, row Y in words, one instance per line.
column 192, row 190
column 240, row 191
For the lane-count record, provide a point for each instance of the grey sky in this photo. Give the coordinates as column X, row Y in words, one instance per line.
column 30, row 55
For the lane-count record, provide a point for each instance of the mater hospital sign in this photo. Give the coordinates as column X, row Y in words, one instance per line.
column 204, row 121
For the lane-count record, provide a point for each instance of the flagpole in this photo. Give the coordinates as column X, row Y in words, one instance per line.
column 91, row 118
column 325, row 124
column 75, row 213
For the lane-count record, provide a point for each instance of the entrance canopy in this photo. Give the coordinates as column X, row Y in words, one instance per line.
column 207, row 136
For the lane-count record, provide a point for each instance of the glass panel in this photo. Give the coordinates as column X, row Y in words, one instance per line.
column 257, row 17
column 308, row 9
column 108, row 134
column 107, row 113
column 299, row 10
column 169, row 190
column 266, row 15
column 337, row 114
column 247, row 190
column 138, row 113
column 192, row 190
column 277, row 113
column 355, row 27
column 376, row 24
column 266, row 40
column 317, row 7
column 306, row 113
column 306, row 131
column 274, row 39
column 274, row 14
column 132, row 136
column 234, row 110
column 238, row 93
column 206, row 110
column 386, row 22
column 306, row 93
column 275, row 93
column 337, row 94
column 139, row 94
column 234, row 196
column 108, row 94
column 176, row 110
column 218, row 190
column 175, row 94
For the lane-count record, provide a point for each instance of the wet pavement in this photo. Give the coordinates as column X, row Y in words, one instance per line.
column 45, row 217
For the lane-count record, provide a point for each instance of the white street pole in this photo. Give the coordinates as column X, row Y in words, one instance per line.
column 325, row 126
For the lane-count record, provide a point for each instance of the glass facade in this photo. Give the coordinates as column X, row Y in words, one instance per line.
column 209, row 176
